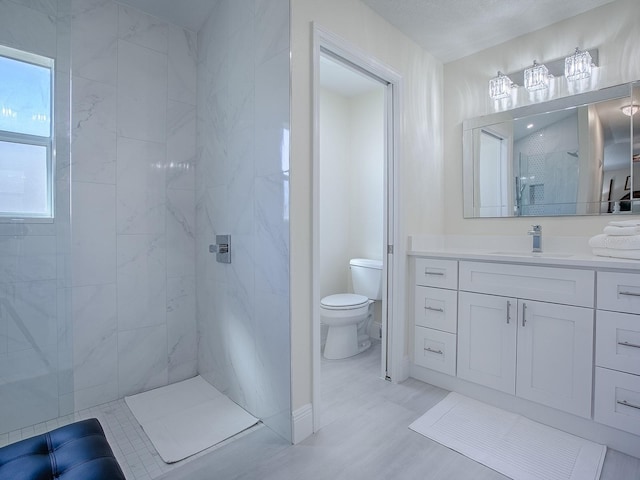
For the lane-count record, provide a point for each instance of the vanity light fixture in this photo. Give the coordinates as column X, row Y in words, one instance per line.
column 578, row 65
column 536, row 77
column 580, row 70
column 500, row 86
column 631, row 109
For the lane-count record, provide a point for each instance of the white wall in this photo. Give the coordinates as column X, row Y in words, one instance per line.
column 366, row 175
column 351, row 184
column 335, row 180
column 613, row 29
column 420, row 163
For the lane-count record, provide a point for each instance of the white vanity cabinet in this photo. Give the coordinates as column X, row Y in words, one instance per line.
column 537, row 350
column 556, row 341
column 617, row 387
column 435, row 314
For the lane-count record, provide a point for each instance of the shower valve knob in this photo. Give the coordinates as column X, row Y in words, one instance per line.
column 222, row 248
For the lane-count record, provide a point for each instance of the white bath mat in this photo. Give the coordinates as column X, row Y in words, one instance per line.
column 508, row 443
column 187, row 417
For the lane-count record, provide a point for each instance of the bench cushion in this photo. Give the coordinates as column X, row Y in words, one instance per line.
column 73, row 452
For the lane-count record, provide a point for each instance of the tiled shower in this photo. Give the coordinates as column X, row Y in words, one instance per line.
column 175, row 136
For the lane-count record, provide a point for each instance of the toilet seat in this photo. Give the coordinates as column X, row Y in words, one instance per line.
column 342, row 313
column 344, row 301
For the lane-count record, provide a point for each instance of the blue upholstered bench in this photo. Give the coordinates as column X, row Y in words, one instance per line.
column 78, row 451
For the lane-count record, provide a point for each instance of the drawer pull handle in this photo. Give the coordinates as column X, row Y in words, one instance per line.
column 508, row 312
column 439, row 352
column 627, row 404
column 627, row 344
column 524, row 313
column 427, row 272
column 630, row 294
column 435, row 309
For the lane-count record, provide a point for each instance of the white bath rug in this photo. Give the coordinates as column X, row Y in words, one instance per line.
column 508, row 443
column 187, row 417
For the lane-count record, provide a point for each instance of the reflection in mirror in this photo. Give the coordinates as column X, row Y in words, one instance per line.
column 546, row 162
column 571, row 156
column 634, row 181
column 617, row 152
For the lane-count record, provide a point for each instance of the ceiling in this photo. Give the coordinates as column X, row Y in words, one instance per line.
column 448, row 29
column 453, row 29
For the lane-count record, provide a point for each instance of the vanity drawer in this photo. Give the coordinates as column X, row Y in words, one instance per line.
column 433, row 272
column 436, row 308
column 619, row 292
column 618, row 341
column 548, row 284
column 617, row 400
column 435, row 350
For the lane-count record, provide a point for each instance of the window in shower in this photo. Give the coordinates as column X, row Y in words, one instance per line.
column 26, row 136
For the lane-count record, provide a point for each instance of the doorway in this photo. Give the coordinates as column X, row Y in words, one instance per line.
column 355, row 127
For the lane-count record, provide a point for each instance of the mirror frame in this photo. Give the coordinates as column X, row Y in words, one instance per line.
column 572, row 101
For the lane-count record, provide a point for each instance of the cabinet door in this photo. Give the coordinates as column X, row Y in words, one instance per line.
column 487, row 340
column 555, row 355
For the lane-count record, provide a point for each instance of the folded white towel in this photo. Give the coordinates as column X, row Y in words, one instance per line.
column 620, row 242
column 631, row 230
column 625, row 223
column 599, row 241
column 609, row 252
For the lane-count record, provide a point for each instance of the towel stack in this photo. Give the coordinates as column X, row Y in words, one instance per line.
column 620, row 239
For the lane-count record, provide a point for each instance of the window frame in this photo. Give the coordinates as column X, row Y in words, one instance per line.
column 35, row 140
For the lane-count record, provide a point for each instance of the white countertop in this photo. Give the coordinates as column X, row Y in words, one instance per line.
column 563, row 259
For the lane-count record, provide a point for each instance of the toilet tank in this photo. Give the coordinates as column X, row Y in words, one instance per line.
column 366, row 276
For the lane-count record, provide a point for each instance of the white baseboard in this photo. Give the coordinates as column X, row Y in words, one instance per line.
column 302, row 421
column 406, row 368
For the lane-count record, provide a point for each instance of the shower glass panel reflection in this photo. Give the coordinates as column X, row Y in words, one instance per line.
column 36, row 378
column 547, row 184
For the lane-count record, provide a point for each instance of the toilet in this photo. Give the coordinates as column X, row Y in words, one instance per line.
column 348, row 315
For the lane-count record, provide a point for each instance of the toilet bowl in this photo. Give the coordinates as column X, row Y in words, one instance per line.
column 344, row 313
column 347, row 315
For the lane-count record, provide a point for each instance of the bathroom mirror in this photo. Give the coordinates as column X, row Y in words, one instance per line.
column 570, row 156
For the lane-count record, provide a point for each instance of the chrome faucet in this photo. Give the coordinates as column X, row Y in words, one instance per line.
column 536, row 231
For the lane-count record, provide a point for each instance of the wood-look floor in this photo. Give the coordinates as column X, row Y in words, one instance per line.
column 364, row 435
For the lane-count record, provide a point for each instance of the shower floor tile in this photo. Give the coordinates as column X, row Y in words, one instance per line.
column 131, row 446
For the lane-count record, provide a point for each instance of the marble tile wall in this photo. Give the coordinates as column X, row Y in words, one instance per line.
column 134, row 148
column 242, row 188
column 35, row 333
column 116, row 283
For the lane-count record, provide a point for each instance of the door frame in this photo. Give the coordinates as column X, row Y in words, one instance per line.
column 394, row 364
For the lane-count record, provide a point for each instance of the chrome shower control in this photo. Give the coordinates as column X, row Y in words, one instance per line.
column 222, row 248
